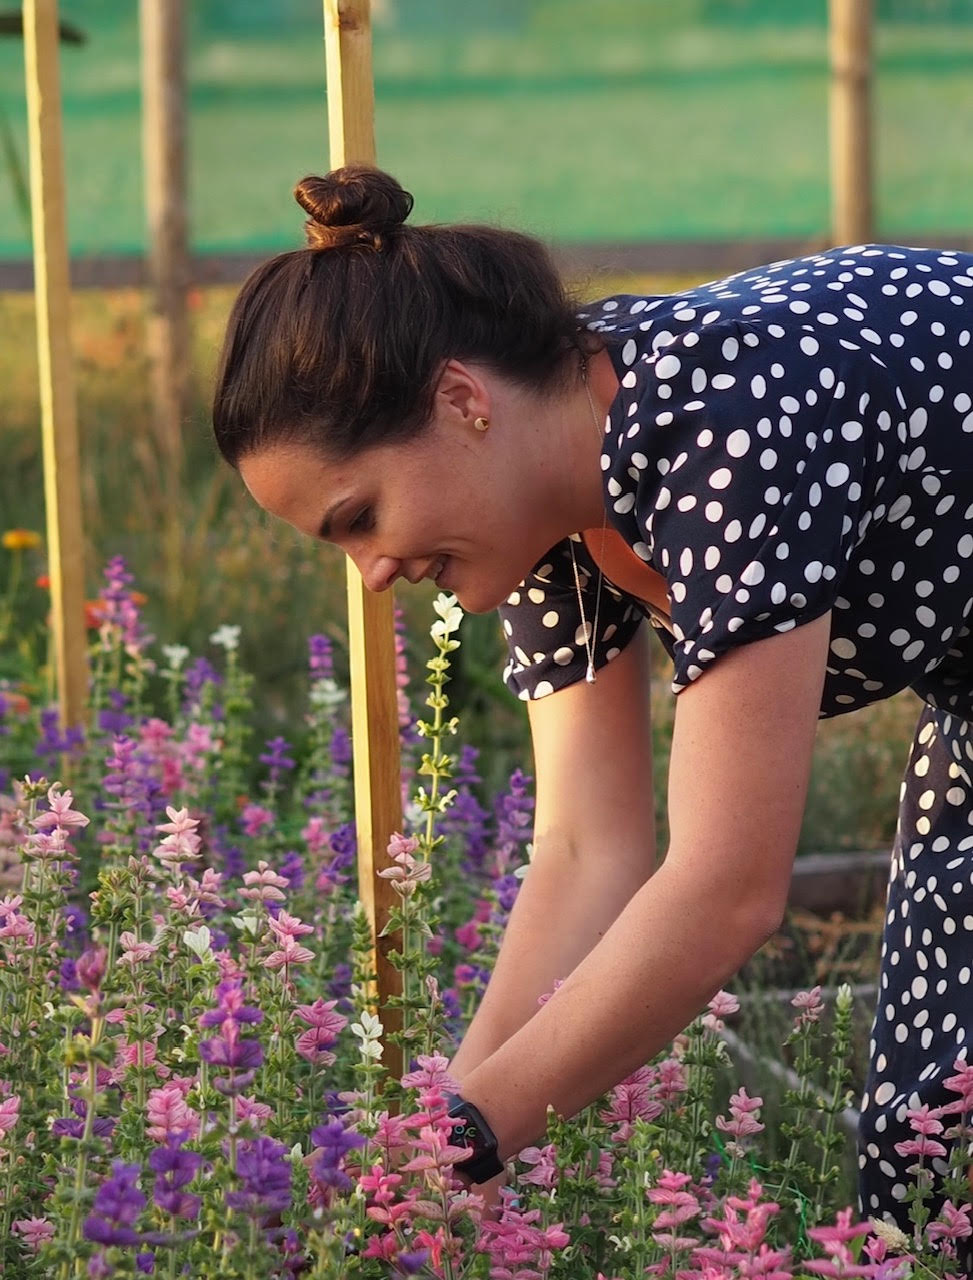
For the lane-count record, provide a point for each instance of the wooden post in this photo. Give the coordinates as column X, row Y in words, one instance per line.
column 162, row 26
column 59, row 418
column 850, row 43
column 371, row 630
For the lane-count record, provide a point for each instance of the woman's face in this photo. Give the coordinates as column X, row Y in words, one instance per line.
column 452, row 505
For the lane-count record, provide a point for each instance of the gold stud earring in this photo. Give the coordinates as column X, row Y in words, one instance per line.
column 482, row 424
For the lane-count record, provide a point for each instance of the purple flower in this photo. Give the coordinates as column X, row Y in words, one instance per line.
column 265, row 1175
column 410, row 1263
column 275, row 757
column 118, row 1203
column 292, row 869
column 228, row 1049
column 175, row 1168
column 333, row 1141
column 145, row 1263
column 320, row 657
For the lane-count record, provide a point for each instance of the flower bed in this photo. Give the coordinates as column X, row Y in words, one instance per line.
column 191, row 1075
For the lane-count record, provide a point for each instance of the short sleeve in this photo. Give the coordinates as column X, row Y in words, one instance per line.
column 751, row 470
column 543, row 627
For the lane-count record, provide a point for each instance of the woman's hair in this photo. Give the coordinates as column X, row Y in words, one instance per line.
column 341, row 345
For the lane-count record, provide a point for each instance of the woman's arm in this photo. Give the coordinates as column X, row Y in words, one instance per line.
column 594, row 842
column 739, row 771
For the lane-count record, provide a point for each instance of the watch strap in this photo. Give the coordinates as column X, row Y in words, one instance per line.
column 483, row 1162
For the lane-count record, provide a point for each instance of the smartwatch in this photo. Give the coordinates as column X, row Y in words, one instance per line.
column 475, row 1133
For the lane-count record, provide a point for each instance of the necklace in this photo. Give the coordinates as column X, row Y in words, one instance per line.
column 590, row 633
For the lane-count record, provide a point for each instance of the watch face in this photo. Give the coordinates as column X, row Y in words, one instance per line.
column 465, row 1132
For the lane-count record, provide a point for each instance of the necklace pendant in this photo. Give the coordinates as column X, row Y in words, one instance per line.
column 589, row 675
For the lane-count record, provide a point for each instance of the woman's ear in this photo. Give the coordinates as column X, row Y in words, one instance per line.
column 462, row 394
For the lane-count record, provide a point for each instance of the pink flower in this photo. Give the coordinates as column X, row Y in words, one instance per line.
column 168, row 1115
column 181, row 844
column 629, row 1101
column 401, row 848
column 670, row 1191
column 921, row 1147
column 315, row 835
column 9, row 1113
column 321, row 1014
column 468, row 935
column 952, row 1224
column 287, row 926
column 133, row 951
column 810, row 1005
column 250, row 1109
column 264, row 884
column 290, row 953
column 433, row 1073
column 543, row 1162
column 60, row 814
column 256, row 819
column 35, row 1231
column 743, row 1122
column 924, row 1120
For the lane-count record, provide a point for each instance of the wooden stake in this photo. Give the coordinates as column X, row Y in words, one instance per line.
column 850, row 42
column 59, row 421
column 162, row 27
column 371, row 632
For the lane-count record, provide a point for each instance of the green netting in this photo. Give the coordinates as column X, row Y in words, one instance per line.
column 582, row 120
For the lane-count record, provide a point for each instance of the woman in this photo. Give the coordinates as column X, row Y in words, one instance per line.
column 776, row 470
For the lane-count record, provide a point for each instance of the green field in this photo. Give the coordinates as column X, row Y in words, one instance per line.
column 618, row 121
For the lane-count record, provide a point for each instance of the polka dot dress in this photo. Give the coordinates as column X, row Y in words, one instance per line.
column 795, row 439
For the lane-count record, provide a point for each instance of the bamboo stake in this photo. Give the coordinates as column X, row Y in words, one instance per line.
column 850, row 44
column 59, row 421
column 162, row 26
column 371, row 633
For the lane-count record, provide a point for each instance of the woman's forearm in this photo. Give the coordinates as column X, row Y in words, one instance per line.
column 668, row 952
column 565, row 906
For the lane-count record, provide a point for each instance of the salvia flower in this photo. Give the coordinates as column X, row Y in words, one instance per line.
column 265, row 1177
column 118, row 1203
column 34, row 1231
column 175, row 1168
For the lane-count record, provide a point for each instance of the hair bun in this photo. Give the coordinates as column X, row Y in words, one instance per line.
column 354, row 205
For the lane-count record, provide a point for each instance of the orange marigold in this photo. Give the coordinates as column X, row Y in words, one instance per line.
column 21, row 539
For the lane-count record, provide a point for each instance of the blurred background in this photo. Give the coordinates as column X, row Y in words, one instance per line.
column 646, row 141
column 617, row 121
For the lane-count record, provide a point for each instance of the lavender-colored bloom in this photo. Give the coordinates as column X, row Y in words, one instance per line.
column 54, row 743
column 145, row 1263
column 340, row 751
column 292, row 869
column 228, row 1049
column 68, row 1127
column 276, row 757
column 265, row 1172
column 68, row 979
column 175, row 1169
column 334, row 1140
column 514, row 813
column 410, row 1263
column 114, row 718
column 339, row 988
column 320, row 657
column 118, row 1203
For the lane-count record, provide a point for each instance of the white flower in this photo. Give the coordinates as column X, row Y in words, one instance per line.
column 176, row 655
column 226, row 637
column 844, row 998
column 198, row 940
column 325, row 693
column 450, row 616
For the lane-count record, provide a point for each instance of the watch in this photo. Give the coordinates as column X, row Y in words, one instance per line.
column 483, row 1163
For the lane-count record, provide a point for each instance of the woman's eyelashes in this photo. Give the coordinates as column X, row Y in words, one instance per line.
column 362, row 522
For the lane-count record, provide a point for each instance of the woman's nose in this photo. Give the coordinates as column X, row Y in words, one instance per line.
column 380, row 573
